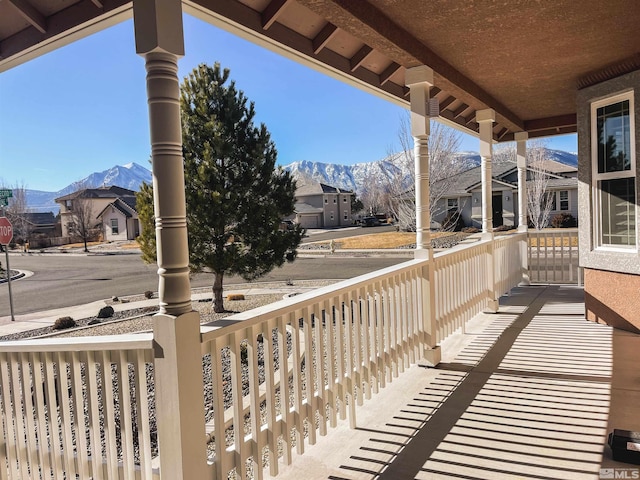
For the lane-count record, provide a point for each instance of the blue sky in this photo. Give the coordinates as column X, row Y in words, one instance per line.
column 82, row 108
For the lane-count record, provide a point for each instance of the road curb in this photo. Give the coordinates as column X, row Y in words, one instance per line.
column 15, row 277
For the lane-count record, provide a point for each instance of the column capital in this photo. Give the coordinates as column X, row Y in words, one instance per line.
column 158, row 26
column 521, row 136
column 417, row 75
column 486, row 115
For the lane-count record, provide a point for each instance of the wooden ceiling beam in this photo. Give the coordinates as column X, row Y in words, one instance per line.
column 447, row 101
column 360, row 56
column 374, row 18
column 322, row 38
column 30, row 14
column 458, row 111
column 272, row 12
column 98, row 3
column 388, row 72
column 561, row 121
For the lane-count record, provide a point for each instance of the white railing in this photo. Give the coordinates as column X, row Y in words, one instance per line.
column 76, row 408
column 553, row 256
column 337, row 345
column 462, row 286
column 274, row 378
column 509, row 254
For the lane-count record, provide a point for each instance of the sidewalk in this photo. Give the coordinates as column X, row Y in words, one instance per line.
column 32, row 321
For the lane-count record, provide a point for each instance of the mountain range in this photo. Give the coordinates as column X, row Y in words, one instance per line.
column 350, row 177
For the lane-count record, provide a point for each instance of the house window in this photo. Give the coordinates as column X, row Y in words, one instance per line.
column 334, row 200
column 331, row 216
column 346, row 216
column 114, row 226
column 67, row 204
column 344, row 199
column 326, row 200
column 614, row 180
column 563, row 197
column 452, row 203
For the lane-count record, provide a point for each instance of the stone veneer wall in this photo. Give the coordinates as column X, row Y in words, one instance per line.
column 613, row 298
column 612, row 278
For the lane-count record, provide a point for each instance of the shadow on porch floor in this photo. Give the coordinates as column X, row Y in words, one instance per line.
column 530, row 392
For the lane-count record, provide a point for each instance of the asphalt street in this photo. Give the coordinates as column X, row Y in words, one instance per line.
column 66, row 280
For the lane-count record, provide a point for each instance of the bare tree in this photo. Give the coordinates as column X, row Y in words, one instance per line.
column 18, row 213
column 82, row 221
column 539, row 200
column 444, row 166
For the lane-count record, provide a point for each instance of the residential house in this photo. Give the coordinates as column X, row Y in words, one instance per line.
column 120, row 219
column 321, row 206
column 464, row 193
column 96, row 201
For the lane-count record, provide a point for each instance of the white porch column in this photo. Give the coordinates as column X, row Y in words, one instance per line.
column 521, row 156
column 419, row 80
column 177, row 362
column 486, row 118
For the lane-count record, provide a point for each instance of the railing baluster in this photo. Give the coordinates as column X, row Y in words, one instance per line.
column 221, row 464
column 321, row 332
column 268, row 345
column 311, row 405
column 285, row 407
column 373, row 339
column 254, row 400
column 331, row 369
column 358, row 318
column 142, row 414
column 109, row 414
column 297, row 382
column 238, row 410
column 94, row 416
column 339, row 313
column 65, row 414
column 44, row 451
column 30, row 428
column 349, row 380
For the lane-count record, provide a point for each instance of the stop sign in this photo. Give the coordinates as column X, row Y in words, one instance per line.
column 6, row 231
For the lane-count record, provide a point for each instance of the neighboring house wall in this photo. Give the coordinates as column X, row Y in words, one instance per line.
column 608, row 192
column 66, row 213
column 334, row 206
column 114, row 225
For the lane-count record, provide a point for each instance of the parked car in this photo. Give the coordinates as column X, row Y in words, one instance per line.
column 369, row 222
column 287, row 225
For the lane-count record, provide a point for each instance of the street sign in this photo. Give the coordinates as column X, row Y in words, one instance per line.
column 6, row 192
column 6, row 231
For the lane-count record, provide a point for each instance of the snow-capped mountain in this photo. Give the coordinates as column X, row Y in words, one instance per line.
column 356, row 177
column 128, row 176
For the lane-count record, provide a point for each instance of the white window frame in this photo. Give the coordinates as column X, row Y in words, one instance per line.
column 116, row 226
column 457, row 203
column 598, row 177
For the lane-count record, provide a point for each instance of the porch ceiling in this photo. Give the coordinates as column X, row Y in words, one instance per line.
column 522, row 58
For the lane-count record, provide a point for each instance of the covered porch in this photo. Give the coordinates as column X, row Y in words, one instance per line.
column 529, row 392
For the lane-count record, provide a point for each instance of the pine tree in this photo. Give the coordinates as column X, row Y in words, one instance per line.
column 147, row 237
column 236, row 196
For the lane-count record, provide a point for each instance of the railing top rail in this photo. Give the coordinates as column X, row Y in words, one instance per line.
column 246, row 319
column 140, row 341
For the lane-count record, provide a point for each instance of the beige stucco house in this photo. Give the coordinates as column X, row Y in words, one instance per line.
column 321, row 206
column 96, row 201
column 464, row 193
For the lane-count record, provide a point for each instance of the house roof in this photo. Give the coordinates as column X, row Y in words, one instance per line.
column 302, row 208
column 123, row 205
column 465, row 182
column 40, row 218
column 317, row 188
column 522, row 58
column 102, row 192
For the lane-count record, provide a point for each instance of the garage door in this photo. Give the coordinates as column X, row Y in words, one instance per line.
column 309, row 221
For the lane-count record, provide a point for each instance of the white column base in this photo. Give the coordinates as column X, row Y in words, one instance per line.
column 432, row 357
column 492, row 306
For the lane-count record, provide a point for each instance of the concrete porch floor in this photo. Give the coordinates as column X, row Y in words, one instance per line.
column 530, row 392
